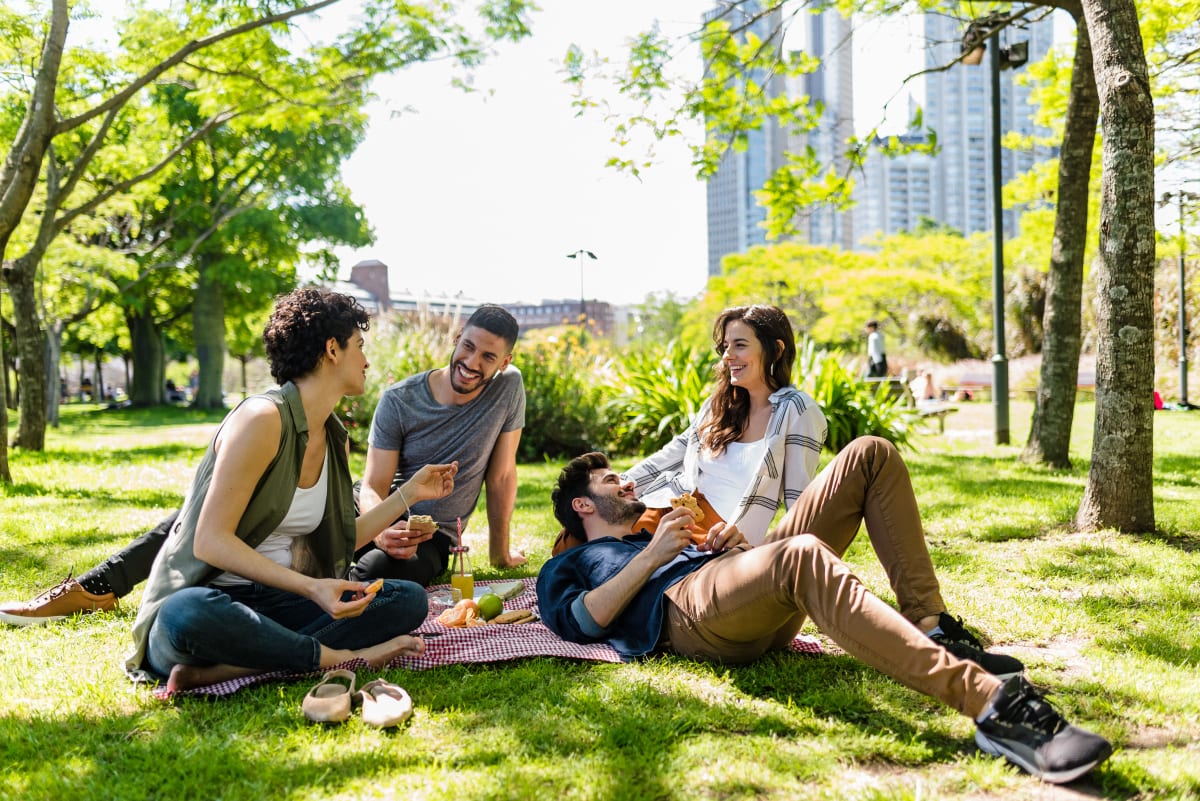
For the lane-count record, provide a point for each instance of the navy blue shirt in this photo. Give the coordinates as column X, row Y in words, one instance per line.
column 563, row 581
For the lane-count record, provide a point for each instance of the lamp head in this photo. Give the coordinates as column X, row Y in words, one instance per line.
column 1015, row 55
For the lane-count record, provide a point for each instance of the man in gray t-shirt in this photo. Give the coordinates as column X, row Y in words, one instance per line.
column 472, row 412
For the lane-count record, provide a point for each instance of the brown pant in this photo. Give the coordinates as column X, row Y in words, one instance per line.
column 747, row 602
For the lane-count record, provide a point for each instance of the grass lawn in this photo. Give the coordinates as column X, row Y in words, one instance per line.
column 1109, row 623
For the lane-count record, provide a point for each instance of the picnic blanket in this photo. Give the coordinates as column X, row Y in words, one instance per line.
column 450, row 646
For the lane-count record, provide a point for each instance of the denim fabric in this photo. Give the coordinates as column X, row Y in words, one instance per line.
column 431, row 561
column 130, row 566
column 265, row 628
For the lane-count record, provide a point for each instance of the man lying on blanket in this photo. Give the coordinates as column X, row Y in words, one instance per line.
column 728, row 602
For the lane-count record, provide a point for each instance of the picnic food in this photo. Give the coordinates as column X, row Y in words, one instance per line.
column 422, row 523
column 489, row 605
column 374, row 586
column 515, row 616
column 688, row 500
column 462, row 614
column 508, row 589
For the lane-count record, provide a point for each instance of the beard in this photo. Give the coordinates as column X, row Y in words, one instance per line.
column 459, row 388
column 618, row 511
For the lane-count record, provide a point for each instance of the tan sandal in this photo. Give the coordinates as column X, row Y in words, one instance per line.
column 328, row 702
column 385, row 704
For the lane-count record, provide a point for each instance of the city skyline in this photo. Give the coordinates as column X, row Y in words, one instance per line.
column 487, row 193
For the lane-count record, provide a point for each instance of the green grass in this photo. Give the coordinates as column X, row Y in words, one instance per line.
column 1108, row 622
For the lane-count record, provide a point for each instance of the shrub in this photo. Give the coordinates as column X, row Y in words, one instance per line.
column 655, row 392
column 564, row 377
column 852, row 407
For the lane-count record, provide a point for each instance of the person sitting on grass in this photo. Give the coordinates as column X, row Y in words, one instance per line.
column 729, row 602
column 755, row 442
column 250, row 577
column 471, row 411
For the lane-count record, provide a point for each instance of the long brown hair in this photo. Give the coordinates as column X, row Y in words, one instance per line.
column 730, row 409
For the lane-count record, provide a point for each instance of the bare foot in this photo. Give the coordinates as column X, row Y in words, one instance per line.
column 185, row 677
column 379, row 655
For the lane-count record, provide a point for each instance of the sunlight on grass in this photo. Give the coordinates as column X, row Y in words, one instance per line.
column 1108, row 623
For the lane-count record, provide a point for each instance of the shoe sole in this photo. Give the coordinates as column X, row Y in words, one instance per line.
column 1052, row 777
column 24, row 620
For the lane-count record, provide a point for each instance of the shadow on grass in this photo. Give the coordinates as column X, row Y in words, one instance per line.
column 106, row 457
column 533, row 735
column 91, row 419
column 1176, row 470
column 97, row 495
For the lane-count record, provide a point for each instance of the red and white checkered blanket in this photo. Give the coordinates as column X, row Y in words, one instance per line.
column 477, row 644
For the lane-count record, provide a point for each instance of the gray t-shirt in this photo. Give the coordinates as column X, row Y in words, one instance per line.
column 410, row 421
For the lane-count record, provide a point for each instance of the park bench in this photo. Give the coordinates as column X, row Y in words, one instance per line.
column 898, row 389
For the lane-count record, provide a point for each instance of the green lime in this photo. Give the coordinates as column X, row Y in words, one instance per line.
column 490, row 605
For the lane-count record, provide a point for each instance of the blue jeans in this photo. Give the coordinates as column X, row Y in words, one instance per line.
column 264, row 628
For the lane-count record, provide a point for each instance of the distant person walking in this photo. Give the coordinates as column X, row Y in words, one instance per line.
column 876, row 352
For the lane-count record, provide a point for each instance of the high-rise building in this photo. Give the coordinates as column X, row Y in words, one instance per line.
column 893, row 194
column 827, row 36
column 954, row 186
column 734, row 216
column 958, row 108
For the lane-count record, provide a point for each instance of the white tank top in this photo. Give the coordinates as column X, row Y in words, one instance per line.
column 724, row 478
column 305, row 513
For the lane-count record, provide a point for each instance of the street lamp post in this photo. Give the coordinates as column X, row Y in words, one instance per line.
column 1180, row 196
column 579, row 256
column 1001, row 57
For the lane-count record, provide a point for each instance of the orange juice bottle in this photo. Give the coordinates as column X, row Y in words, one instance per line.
column 461, row 575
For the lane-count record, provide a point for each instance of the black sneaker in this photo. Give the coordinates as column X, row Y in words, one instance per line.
column 1021, row 726
column 955, row 638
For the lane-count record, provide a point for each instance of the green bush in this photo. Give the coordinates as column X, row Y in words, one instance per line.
column 397, row 347
column 852, row 407
column 654, row 393
column 564, row 396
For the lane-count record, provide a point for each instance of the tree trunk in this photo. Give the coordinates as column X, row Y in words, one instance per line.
column 5, row 475
column 101, row 390
column 208, row 331
column 1054, row 411
column 18, row 179
column 53, row 365
column 1119, row 492
column 147, row 387
column 31, row 350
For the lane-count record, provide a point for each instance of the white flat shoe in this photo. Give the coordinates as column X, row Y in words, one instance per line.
column 385, row 704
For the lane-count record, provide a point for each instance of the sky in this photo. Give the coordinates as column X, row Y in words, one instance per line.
column 486, row 193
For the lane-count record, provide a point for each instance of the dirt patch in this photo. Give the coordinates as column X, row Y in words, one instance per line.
column 1066, row 651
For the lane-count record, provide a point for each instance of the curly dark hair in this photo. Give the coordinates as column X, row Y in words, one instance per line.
column 302, row 322
column 730, row 409
column 573, row 482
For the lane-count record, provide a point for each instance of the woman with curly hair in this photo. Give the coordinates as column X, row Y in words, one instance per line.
column 250, row 578
column 755, row 441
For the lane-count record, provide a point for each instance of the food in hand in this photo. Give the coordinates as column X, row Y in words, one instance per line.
column 489, row 605
column 423, row 524
column 515, row 616
column 689, row 501
column 374, row 586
